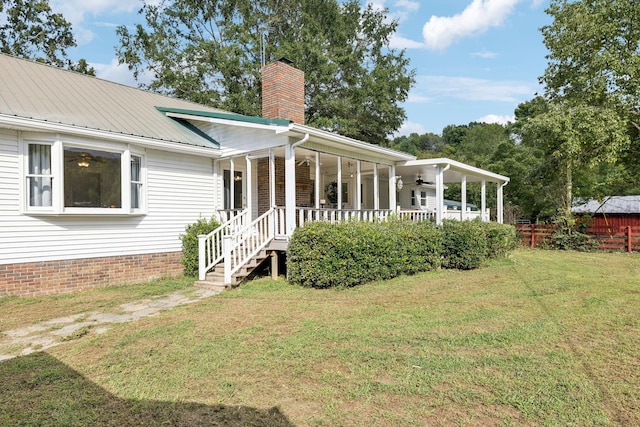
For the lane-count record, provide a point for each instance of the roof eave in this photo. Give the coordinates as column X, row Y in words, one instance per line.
column 36, row 125
column 394, row 155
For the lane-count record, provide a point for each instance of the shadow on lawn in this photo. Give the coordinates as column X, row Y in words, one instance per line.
column 40, row 390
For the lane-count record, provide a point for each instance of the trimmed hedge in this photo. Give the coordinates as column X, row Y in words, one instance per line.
column 464, row 246
column 324, row 255
column 190, row 243
column 501, row 239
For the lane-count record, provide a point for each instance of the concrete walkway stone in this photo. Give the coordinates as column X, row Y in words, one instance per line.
column 53, row 332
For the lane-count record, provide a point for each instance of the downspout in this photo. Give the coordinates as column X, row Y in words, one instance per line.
column 500, row 213
column 440, row 192
column 304, row 139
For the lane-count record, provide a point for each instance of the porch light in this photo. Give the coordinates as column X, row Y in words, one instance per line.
column 83, row 163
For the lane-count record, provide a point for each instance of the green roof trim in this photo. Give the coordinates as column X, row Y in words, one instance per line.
column 227, row 116
column 197, row 131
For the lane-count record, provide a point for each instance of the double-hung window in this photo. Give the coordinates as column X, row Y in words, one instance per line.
column 75, row 178
column 418, row 199
column 39, row 176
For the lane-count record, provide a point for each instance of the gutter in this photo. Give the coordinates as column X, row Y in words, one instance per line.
column 33, row 125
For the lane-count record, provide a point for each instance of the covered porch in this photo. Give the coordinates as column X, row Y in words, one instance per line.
column 304, row 184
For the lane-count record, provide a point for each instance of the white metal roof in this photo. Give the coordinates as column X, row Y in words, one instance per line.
column 426, row 168
column 35, row 95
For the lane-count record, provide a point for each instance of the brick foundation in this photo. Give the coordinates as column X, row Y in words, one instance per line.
column 65, row 276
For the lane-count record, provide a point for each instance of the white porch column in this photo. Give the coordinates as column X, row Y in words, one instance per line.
column 500, row 209
column 439, row 194
column 392, row 188
column 232, row 187
column 317, row 183
column 248, row 185
column 483, row 203
column 290, row 188
column 358, row 200
column 339, row 179
column 272, row 180
column 463, row 199
column 376, row 188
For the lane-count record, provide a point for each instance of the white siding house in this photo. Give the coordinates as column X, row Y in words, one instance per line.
column 98, row 180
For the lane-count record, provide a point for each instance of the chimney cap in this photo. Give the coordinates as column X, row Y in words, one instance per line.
column 285, row 60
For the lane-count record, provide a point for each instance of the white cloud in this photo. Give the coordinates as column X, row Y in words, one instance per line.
column 399, row 42
column 440, row 32
column 119, row 73
column 418, row 99
column 76, row 11
column 472, row 89
column 484, row 54
column 412, row 6
column 408, row 128
column 495, row 118
column 400, row 11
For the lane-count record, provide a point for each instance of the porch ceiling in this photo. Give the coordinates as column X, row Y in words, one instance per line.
column 426, row 168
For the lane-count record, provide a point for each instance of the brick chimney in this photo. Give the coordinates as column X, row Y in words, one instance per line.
column 283, row 91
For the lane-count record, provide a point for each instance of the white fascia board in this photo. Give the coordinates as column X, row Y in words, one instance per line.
column 28, row 124
column 227, row 122
column 458, row 166
column 397, row 156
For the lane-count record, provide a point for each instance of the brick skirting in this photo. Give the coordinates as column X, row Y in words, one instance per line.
column 65, row 276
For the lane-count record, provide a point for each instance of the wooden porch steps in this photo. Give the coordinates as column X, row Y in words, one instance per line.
column 215, row 278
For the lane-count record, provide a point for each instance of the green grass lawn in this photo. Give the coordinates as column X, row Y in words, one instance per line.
column 541, row 338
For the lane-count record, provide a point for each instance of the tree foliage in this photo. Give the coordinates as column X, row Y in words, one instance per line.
column 575, row 138
column 211, row 52
column 594, row 54
column 30, row 29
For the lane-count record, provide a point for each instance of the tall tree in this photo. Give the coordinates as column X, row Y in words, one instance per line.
column 30, row 29
column 594, row 54
column 593, row 75
column 575, row 138
column 211, row 52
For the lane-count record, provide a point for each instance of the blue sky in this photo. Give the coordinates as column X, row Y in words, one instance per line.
column 475, row 60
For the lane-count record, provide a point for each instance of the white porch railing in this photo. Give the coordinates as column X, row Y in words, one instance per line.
column 457, row 214
column 417, row 215
column 210, row 250
column 305, row 215
column 240, row 247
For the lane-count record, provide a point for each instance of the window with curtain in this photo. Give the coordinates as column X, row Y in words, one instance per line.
column 63, row 178
column 39, row 178
column 136, row 182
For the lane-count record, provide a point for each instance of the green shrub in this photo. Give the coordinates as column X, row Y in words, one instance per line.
column 501, row 239
column 324, row 255
column 464, row 245
column 569, row 238
column 190, row 243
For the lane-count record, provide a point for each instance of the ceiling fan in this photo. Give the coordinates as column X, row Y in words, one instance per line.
column 419, row 181
column 83, row 159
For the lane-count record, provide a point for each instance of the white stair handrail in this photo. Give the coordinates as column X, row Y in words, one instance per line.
column 210, row 246
column 240, row 247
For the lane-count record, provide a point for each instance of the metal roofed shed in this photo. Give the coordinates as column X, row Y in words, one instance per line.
column 612, row 210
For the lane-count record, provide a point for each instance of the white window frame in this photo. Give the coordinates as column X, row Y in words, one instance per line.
column 419, row 198
column 57, row 144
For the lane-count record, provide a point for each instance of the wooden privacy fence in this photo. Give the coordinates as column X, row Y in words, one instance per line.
column 622, row 238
